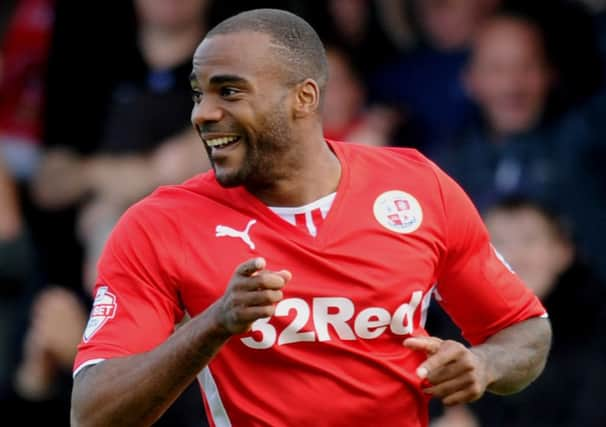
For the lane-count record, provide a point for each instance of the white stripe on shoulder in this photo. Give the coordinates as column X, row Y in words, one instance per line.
column 217, row 410
column 85, row 364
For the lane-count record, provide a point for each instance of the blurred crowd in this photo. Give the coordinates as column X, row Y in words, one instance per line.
column 508, row 96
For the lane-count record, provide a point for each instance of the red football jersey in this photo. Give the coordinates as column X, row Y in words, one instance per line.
column 332, row 354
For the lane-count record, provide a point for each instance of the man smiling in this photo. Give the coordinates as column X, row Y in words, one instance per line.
column 313, row 312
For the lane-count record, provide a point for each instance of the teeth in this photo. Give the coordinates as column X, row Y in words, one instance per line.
column 217, row 142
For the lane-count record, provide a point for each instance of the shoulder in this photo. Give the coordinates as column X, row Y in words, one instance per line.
column 192, row 191
column 157, row 225
column 398, row 168
column 397, row 157
column 392, row 165
column 170, row 204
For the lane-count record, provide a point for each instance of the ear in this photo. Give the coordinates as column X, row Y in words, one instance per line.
column 307, row 98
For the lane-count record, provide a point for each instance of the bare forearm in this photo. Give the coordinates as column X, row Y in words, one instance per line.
column 516, row 355
column 136, row 390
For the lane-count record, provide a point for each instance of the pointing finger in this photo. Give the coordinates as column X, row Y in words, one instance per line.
column 285, row 274
column 449, row 352
column 429, row 345
column 248, row 268
column 265, row 280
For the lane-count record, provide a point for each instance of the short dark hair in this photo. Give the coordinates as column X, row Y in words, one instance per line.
column 558, row 223
column 295, row 41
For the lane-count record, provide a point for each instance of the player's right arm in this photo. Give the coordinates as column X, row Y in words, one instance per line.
column 137, row 389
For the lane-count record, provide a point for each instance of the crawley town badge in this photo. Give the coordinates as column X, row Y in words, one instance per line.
column 104, row 309
column 398, row 211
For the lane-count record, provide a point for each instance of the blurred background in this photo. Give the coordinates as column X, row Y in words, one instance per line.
column 508, row 96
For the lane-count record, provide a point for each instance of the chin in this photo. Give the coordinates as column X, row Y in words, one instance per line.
column 228, row 180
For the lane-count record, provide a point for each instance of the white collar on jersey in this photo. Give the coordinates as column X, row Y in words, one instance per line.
column 289, row 214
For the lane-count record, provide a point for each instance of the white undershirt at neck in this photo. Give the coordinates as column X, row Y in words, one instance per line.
column 308, row 217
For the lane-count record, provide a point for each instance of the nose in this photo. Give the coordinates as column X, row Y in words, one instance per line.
column 206, row 111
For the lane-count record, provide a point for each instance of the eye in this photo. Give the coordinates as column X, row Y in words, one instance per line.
column 227, row 91
column 196, row 96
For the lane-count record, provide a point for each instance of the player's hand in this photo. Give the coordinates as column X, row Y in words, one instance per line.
column 251, row 294
column 455, row 373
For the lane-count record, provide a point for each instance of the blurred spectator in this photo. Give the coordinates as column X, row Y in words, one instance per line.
column 74, row 76
column 56, row 324
column 537, row 245
column 574, row 53
column 43, row 379
column 17, row 277
column 359, row 27
column 23, row 59
column 510, row 75
column 147, row 140
column 449, row 25
column 597, row 9
column 346, row 115
column 25, row 30
column 539, row 248
column 520, row 145
column 425, row 81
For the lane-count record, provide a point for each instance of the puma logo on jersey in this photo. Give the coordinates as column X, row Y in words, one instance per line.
column 225, row 231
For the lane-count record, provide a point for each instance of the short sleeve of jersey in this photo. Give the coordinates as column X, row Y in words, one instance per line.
column 136, row 302
column 476, row 287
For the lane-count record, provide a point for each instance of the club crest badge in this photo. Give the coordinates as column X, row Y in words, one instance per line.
column 104, row 309
column 398, row 211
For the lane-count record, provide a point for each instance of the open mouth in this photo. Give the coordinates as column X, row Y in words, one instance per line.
column 222, row 142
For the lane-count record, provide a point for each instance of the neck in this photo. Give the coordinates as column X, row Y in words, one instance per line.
column 167, row 47
column 317, row 173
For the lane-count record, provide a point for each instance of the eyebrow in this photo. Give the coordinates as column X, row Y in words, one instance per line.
column 219, row 79
column 227, row 78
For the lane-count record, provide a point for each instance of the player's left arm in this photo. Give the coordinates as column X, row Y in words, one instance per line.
column 505, row 363
column 500, row 317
